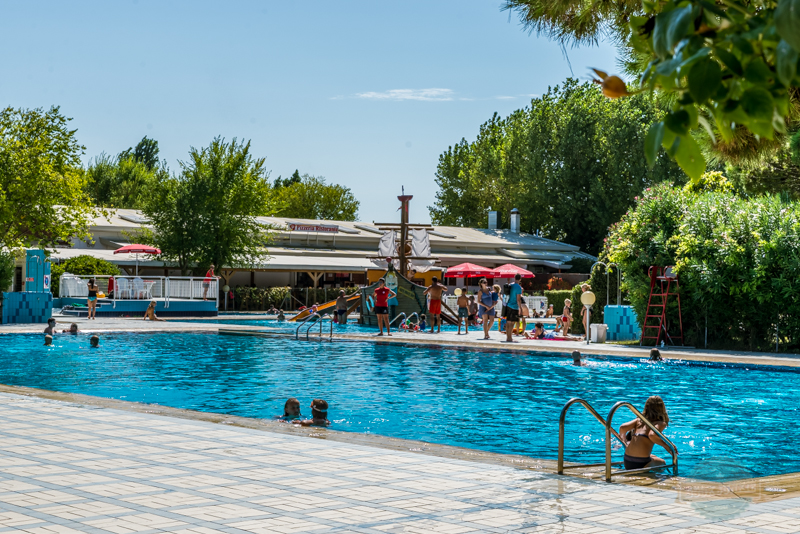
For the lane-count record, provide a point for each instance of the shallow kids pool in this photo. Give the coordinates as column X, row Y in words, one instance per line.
column 728, row 421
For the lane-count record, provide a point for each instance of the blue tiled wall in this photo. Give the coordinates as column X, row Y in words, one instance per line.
column 622, row 323
column 27, row 307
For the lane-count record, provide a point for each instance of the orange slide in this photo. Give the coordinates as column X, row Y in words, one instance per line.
column 327, row 307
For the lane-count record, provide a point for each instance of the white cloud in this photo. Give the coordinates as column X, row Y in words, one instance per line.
column 432, row 94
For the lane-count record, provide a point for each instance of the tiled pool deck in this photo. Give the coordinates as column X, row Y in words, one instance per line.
column 69, row 467
column 70, row 463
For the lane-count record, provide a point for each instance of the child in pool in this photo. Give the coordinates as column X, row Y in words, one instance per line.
column 291, row 410
column 73, row 329
column 422, row 323
column 319, row 414
column 94, row 342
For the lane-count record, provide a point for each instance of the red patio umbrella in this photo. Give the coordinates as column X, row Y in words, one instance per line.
column 137, row 249
column 467, row 270
column 510, row 270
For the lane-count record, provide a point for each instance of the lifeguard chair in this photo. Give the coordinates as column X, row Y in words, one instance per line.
column 663, row 285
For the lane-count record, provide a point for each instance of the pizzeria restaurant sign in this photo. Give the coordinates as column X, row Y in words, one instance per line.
column 294, row 227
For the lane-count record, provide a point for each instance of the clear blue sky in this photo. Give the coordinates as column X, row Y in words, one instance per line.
column 367, row 94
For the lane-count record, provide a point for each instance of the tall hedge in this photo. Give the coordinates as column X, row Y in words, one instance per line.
column 737, row 258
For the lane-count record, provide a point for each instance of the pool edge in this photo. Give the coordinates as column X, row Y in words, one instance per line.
column 760, row 489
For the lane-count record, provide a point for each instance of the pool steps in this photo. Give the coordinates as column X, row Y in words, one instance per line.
column 672, row 449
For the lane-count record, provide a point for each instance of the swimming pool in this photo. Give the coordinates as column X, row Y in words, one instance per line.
column 728, row 422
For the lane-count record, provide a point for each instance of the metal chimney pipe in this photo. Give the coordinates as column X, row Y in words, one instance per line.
column 515, row 221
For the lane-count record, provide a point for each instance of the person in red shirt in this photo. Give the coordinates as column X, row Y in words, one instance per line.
column 382, row 296
column 207, row 280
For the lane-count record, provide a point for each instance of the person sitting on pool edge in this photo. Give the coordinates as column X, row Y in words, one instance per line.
column 94, row 342
column 150, row 313
column 291, row 410
column 423, row 324
column 640, row 446
column 319, row 414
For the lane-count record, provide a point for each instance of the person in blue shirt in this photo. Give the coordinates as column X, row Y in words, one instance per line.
column 512, row 307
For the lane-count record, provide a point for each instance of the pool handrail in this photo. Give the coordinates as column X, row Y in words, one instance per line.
column 672, row 449
column 401, row 314
column 304, row 321
column 561, row 426
column 321, row 318
column 325, row 317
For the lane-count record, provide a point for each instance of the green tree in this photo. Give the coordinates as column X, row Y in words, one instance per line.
column 729, row 69
column 286, row 182
column 313, row 198
column 572, row 164
column 43, row 196
column 83, row 265
column 145, row 152
column 207, row 214
column 121, row 183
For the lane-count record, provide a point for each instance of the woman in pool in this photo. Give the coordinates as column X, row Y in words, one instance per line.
column 291, row 410
column 638, row 449
column 91, row 300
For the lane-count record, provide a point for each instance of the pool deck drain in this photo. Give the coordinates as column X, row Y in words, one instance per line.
column 72, row 463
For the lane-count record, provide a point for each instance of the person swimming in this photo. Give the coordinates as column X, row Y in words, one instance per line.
column 641, row 439
column 291, row 410
column 281, row 316
column 319, row 414
column 655, row 356
column 73, row 329
column 48, row 340
column 94, row 342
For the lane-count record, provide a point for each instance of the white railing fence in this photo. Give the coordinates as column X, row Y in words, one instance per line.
column 142, row 287
column 73, row 285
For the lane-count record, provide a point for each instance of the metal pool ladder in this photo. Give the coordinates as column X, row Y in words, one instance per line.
column 672, row 449
column 307, row 321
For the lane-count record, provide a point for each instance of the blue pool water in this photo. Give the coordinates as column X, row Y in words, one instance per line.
column 728, row 422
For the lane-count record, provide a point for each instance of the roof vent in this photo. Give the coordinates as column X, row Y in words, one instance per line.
column 492, row 219
column 515, row 221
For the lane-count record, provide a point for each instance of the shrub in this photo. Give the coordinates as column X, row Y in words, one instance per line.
column 6, row 270
column 83, row 265
column 737, row 258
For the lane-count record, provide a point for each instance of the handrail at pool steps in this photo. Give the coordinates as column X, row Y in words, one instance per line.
column 561, row 423
column 325, row 317
column 401, row 314
column 304, row 321
column 673, row 450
